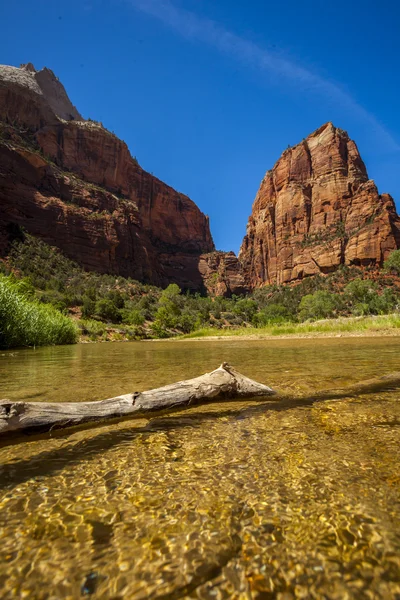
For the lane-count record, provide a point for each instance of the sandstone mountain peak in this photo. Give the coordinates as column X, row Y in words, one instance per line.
column 75, row 185
column 315, row 210
column 45, row 84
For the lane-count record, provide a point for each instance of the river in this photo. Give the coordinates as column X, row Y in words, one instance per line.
column 235, row 500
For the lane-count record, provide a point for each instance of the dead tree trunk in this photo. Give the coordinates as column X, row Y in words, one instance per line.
column 220, row 384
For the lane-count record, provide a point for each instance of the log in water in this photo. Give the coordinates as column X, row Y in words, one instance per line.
column 225, row 382
column 221, row 384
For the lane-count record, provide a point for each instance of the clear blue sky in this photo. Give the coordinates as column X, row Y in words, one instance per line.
column 208, row 93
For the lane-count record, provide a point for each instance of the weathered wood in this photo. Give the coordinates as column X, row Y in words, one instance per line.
column 224, row 382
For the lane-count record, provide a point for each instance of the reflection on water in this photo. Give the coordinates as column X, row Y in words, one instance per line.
column 237, row 500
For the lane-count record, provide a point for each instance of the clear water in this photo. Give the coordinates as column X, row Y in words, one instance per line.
column 235, row 500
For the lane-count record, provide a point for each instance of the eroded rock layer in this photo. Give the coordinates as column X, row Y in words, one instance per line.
column 75, row 185
column 222, row 274
column 315, row 210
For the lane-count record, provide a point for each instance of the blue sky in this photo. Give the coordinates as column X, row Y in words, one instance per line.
column 208, row 93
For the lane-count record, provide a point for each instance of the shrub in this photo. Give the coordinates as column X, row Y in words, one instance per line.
column 166, row 317
column 107, row 311
column 362, row 294
column 272, row 314
column 88, row 307
column 133, row 317
column 246, row 308
column 92, row 328
column 320, row 305
column 392, row 263
column 361, row 290
column 116, row 298
column 159, row 331
column 24, row 322
column 188, row 322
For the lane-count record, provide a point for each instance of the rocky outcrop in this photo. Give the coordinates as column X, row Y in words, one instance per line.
column 315, row 210
column 75, row 185
column 222, row 274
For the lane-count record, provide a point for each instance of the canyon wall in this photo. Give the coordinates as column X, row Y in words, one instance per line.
column 74, row 184
column 316, row 210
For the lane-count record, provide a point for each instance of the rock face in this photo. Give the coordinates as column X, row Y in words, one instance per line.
column 316, row 210
column 75, row 185
column 222, row 274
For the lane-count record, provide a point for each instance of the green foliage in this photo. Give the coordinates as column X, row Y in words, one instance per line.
column 319, row 305
column 137, row 310
column 26, row 322
column 246, row 308
column 392, row 263
column 116, row 297
column 361, row 290
column 107, row 311
column 133, row 317
column 88, row 307
column 364, row 298
column 272, row 313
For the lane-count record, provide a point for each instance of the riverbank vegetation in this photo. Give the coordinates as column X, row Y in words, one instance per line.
column 372, row 325
column 26, row 322
column 108, row 307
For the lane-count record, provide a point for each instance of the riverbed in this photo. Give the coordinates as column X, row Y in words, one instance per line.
column 234, row 500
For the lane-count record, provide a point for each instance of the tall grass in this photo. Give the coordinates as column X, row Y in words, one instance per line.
column 24, row 322
column 372, row 324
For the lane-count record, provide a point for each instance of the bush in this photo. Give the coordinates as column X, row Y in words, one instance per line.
column 246, row 308
column 188, row 322
column 88, row 307
column 107, row 311
column 362, row 295
column 116, row 298
column 361, row 290
column 166, row 317
column 24, row 322
column 272, row 314
column 320, row 305
column 133, row 317
column 392, row 263
column 159, row 331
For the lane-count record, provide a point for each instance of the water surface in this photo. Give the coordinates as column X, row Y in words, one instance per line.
column 234, row 500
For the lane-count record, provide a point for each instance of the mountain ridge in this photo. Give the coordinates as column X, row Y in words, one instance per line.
column 315, row 210
column 75, row 185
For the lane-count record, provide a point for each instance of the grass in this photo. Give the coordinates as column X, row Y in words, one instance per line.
column 110, row 307
column 25, row 322
column 369, row 324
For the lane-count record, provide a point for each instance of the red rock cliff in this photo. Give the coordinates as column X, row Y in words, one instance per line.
column 75, row 184
column 316, row 210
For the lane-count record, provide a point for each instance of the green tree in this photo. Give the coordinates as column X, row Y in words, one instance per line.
column 272, row 313
column 319, row 305
column 392, row 263
column 188, row 322
column 166, row 317
column 170, row 294
column 362, row 295
column 133, row 317
column 116, row 298
column 107, row 311
column 169, row 310
column 88, row 307
column 246, row 308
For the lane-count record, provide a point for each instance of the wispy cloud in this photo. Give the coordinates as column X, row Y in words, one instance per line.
column 207, row 31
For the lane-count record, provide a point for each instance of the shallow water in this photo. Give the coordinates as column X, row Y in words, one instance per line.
column 235, row 500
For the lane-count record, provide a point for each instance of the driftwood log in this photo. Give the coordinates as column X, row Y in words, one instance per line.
column 223, row 383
